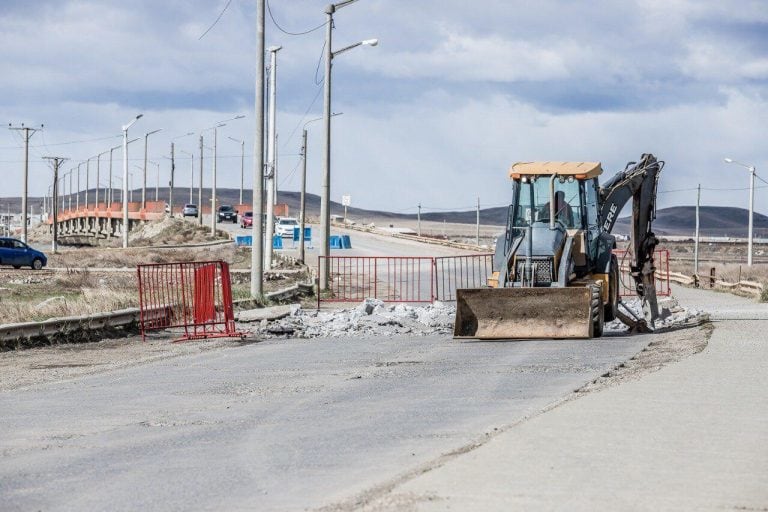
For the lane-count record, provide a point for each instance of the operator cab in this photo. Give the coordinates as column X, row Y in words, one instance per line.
column 554, row 201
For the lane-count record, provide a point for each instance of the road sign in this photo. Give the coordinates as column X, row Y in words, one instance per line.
column 346, row 200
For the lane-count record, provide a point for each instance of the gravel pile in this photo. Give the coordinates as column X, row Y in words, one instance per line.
column 375, row 318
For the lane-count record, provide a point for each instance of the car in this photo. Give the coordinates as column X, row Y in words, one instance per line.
column 226, row 212
column 18, row 254
column 285, row 225
column 190, row 210
column 246, row 220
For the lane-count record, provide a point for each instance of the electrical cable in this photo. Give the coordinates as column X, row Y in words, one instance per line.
column 317, row 69
column 306, row 112
column 217, row 20
column 284, row 31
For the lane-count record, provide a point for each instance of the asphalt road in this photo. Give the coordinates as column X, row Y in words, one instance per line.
column 277, row 425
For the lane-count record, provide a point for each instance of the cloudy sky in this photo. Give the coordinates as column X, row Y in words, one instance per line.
column 454, row 93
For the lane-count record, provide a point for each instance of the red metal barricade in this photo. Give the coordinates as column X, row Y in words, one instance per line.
column 468, row 271
column 193, row 296
column 388, row 278
column 660, row 261
column 403, row 278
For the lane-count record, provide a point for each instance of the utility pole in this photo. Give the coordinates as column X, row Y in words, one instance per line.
column 24, row 197
column 303, row 203
column 257, row 247
column 69, row 205
column 170, row 193
column 56, row 163
column 200, row 188
column 477, row 234
column 696, row 244
column 418, row 220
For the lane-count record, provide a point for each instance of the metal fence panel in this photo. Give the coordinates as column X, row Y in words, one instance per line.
column 661, row 262
column 194, row 296
column 388, row 278
column 468, row 271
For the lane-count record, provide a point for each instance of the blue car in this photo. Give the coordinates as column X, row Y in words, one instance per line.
column 18, row 254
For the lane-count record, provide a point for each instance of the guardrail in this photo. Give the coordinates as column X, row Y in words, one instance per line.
column 13, row 335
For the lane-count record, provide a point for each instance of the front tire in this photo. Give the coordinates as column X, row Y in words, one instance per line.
column 598, row 312
column 37, row 264
column 613, row 290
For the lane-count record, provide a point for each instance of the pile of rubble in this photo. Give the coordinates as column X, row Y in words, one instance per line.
column 375, row 318
column 371, row 318
column 671, row 315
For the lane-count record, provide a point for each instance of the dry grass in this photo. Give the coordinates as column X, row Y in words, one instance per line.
column 30, row 297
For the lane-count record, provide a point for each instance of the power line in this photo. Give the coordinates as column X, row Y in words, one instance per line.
column 319, row 61
column 281, row 29
column 217, row 20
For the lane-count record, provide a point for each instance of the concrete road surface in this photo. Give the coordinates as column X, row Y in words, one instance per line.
column 278, row 425
column 692, row 436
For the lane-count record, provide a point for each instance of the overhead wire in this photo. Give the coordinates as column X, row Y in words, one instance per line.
column 284, row 31
column 216, row 21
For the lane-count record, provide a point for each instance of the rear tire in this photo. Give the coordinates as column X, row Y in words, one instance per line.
column 598, row 312
column 613, row 290
column 17, row 267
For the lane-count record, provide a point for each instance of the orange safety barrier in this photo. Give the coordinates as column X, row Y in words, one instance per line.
column 193, row 296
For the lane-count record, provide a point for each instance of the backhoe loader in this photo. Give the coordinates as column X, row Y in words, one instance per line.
column 554, row 274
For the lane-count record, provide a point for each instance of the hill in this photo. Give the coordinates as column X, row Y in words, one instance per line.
column 676, row 220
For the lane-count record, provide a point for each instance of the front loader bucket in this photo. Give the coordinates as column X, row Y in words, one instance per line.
column 509, row 313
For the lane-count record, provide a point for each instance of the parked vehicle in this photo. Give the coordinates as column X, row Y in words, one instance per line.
column 285, row 225
column 190, row 210
column 18, row 254
column 226, row 212
column 246, row 220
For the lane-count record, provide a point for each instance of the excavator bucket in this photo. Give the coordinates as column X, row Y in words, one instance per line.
column 510, row 313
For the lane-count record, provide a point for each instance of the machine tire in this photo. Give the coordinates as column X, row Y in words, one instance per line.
column 613, row 290
column 37, row 264
column 598, row 312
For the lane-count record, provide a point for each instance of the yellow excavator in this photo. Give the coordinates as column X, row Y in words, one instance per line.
column 554, row 274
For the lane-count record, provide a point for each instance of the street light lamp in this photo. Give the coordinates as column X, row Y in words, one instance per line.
column 125, row 178
column 325, row 198
column 751, row 169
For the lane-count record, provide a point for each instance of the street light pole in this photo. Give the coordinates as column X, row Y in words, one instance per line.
column 144, row 183
column 242, row 165
column 751, row 169
column 271, row 145
column 191, row 173
column 125, row 179
column 325, row 197
column 200, row 188
column 213, row 186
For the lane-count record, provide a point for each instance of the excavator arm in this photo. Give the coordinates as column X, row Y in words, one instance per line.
column 638, row 181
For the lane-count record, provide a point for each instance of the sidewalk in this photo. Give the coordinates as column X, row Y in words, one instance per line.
column 692, row 436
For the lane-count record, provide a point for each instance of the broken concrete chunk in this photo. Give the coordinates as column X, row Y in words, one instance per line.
column 271, row 313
